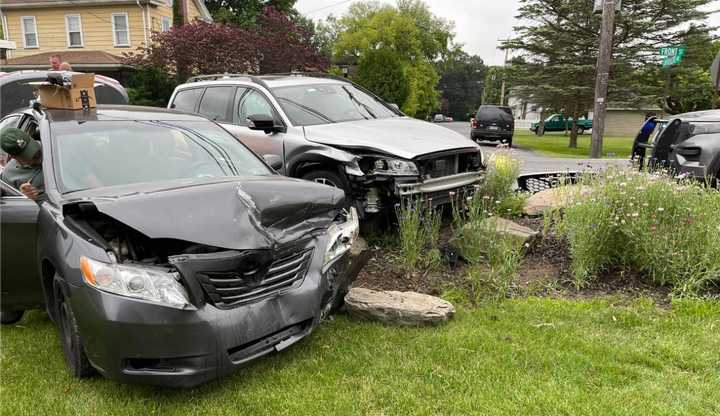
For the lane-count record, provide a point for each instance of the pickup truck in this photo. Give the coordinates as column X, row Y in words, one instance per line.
column 557, row 122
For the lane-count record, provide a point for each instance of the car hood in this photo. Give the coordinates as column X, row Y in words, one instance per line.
column 399, row 136
column 249, row 214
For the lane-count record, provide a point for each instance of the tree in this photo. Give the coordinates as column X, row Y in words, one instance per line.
column 461, row 83
column 493, row 85
column 382, row 72
column 557, row 40
column 245, row 12
column 410, row 32
column 285, row 45
column 275, row 44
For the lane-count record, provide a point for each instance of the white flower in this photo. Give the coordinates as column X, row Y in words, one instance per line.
column 661, row 209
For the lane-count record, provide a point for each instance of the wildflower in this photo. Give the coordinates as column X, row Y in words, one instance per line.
column 635, row 214
column 661, row 209
column 486, row 196
column 452, row 194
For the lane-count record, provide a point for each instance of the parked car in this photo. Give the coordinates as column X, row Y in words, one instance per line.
column 15, row 93
column 493, row 123
column 557, row 122
column 167, row 252
column 688, row 144
column 442, row 118
column 331, row 131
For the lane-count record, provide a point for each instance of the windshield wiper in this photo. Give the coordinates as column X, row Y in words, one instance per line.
column 308, row 109
column 363, row 105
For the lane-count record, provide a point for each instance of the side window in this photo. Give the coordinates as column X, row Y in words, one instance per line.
column 254, row 103
column 186, row 100
column 215, row 103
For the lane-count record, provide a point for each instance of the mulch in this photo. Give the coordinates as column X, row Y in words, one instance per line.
column 545, row 271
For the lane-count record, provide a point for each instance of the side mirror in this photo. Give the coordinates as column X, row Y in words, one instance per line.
column 274, row 161
column 262, row 122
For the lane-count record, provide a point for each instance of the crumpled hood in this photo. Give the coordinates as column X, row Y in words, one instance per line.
column 401, row 136
column 250, row 214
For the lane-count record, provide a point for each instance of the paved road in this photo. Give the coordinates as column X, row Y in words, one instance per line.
column 534, row 162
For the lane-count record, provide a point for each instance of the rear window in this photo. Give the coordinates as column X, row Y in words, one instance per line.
column 186, row 100
column 495, row 113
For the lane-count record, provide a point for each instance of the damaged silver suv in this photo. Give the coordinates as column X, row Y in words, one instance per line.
column 167, row 252
column 329, row 130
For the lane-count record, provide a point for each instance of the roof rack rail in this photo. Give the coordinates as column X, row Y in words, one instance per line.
column 214, row 77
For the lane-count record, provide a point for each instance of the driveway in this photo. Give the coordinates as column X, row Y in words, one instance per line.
column 534, row 162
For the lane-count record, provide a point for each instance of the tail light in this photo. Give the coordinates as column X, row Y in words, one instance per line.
column 473, row 123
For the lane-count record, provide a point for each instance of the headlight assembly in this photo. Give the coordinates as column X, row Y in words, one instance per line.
column 394, row 167
column 136, row 282
column 341, row 237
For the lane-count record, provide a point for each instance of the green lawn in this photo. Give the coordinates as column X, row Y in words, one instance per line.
column 556, row 145
column 529, row 356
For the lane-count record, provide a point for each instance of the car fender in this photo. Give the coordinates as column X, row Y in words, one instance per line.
column 310, row 153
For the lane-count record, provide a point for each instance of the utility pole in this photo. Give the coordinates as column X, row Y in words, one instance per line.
column 504, row 75
column 603, row 77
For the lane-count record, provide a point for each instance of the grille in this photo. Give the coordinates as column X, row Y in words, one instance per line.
column 236, row 287
column 442, row 166
column 534, row 183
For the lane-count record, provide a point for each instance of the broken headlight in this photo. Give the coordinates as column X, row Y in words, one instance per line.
column 136, row 282
column 341, row 237
column 394, row 167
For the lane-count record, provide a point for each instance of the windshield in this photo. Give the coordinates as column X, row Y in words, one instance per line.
column 97, row 154
column 308, row 105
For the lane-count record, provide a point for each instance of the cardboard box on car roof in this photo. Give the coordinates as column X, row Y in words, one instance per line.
column 58, row 97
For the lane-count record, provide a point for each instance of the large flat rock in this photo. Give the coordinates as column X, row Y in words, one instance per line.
column 400, row 308
column 506, row 227
column 552, row 199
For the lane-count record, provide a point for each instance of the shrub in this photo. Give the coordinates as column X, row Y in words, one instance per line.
column 419, row 226
column 665, row 230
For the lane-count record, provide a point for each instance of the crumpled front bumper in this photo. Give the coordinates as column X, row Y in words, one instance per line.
column 438, row 189
column 141, row 342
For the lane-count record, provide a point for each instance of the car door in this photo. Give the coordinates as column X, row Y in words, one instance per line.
column 253, row 102
column 19, row 270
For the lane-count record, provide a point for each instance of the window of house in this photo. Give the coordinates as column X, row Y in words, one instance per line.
column 29, row 27
column 121, row 29
column 73, row 24
column 165, row 23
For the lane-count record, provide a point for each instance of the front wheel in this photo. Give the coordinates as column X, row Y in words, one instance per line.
column 10, row 317
column 73, row 349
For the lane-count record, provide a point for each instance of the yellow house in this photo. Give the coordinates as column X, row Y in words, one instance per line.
column 89, row 34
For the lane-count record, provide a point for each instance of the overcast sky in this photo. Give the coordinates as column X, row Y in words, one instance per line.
column 478, row 23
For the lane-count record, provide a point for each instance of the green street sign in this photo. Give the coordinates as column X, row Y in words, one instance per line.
column 673, row 55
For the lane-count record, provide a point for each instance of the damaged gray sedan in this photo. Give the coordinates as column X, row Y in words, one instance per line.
column 167, row 252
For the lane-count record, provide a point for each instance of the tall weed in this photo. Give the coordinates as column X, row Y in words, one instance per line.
column 666, row 230
column 419, row 225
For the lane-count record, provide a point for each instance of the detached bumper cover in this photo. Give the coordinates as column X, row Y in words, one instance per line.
column 140, row 342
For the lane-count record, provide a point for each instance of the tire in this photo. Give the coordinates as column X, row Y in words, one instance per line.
column 326, row 177
column 581, row 131
column 509, row 143
column 72, row 345
column 10, row 317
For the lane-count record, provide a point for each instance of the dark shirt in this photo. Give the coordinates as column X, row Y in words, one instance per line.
column 15, row 175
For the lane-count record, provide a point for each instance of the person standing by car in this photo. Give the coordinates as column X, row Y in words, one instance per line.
column 24, row 170
column 643, row 136
column 55, row 62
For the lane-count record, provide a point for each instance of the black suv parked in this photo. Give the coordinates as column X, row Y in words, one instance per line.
column 493, row 123
column 331, row 131
column 166, row 251
column 689, row 144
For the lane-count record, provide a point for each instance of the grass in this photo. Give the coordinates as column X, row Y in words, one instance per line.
column 556, row 144
column 531, row 356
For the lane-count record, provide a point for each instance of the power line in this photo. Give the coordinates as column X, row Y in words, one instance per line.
column 329, row 6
